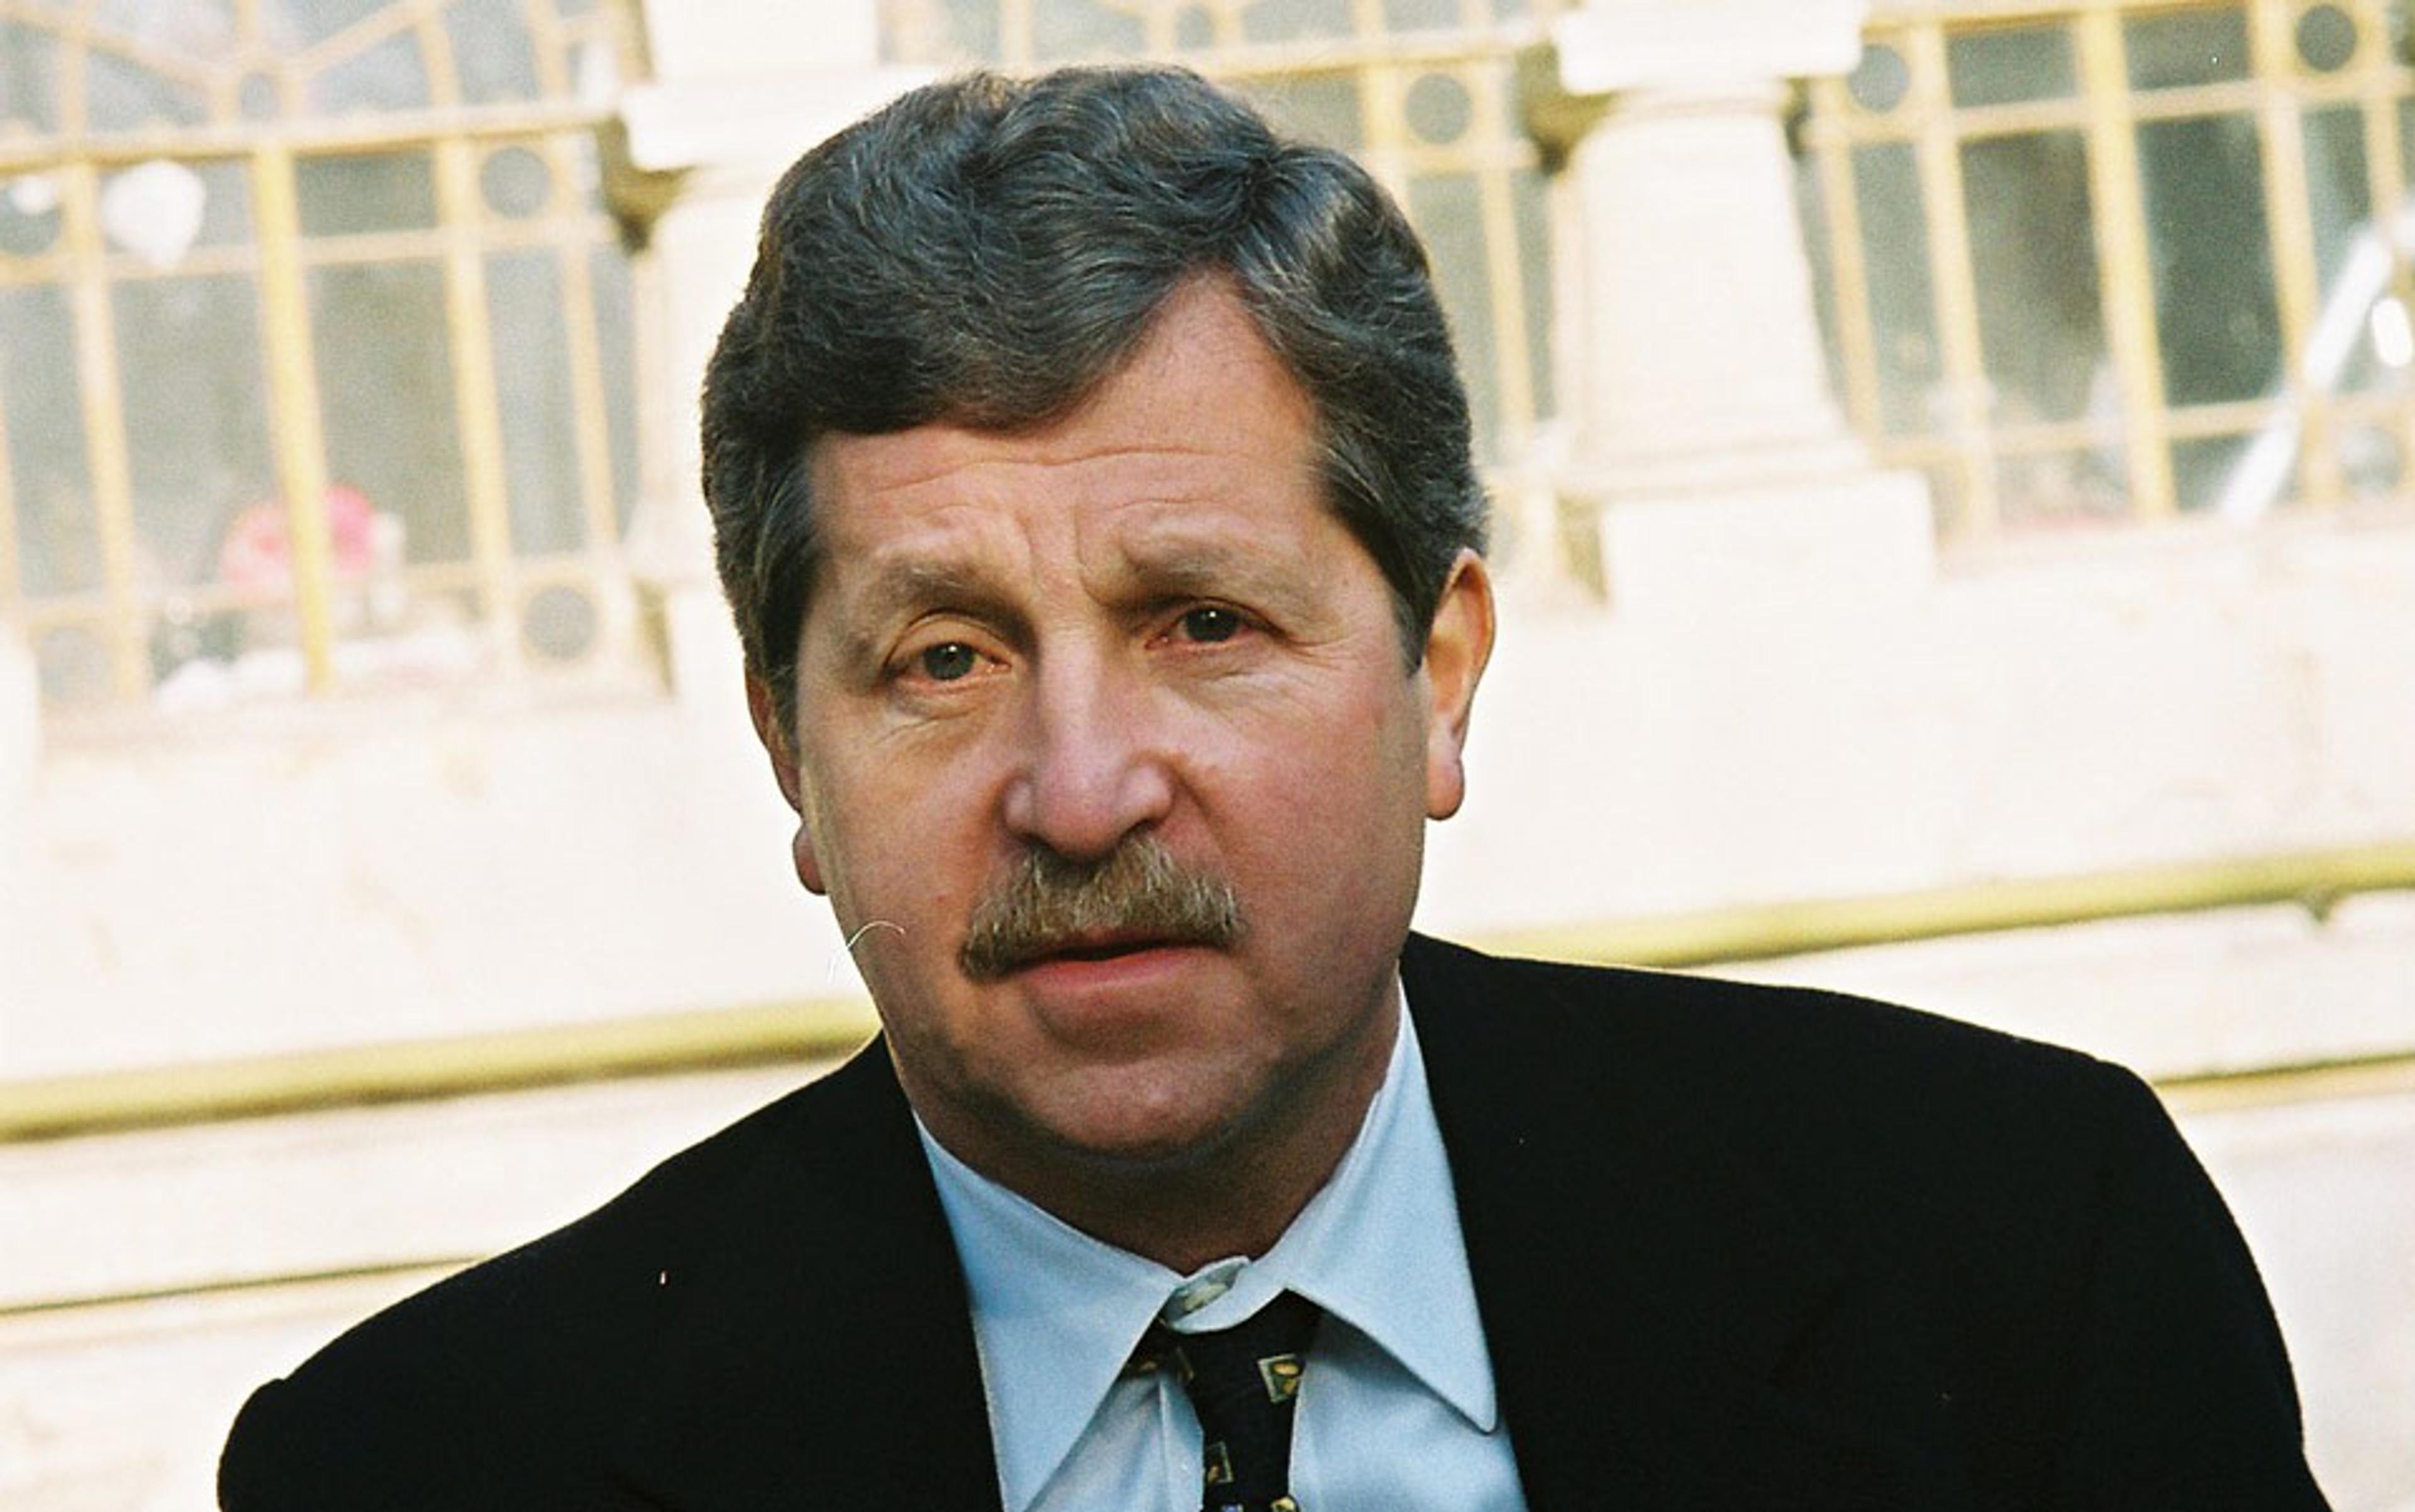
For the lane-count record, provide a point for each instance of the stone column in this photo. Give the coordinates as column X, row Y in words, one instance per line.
column 1705, row 436
column 741, row 88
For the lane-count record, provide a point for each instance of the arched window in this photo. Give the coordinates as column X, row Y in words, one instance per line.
column 315, row 345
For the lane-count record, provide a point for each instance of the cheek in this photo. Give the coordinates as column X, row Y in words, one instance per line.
column 903, row 849
column 1326, row 805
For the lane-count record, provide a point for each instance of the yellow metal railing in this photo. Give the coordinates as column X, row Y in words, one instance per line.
column 100, row 1103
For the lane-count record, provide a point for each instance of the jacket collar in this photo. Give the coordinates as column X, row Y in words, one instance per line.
column 826, row 1253
column 1640, row 1290
column 1642, row 1287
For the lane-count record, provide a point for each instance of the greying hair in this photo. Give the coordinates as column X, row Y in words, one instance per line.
column 987, row 252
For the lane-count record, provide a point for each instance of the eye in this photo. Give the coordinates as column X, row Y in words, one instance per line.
column 947, row 661
column 1211, row 622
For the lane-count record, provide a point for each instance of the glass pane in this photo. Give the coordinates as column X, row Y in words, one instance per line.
column 2041, row 326
column 29, row 216
column 59, row 543
column 2172, row 49
column 608, row 271
column 2016, row 64
column 515, row 182
column 344, row 195
column 532, row 385
column 293, row 24
column 1421, row 15
column 946, row 30
column 385, row 364
column 390, row 76
column 1438, row 109
column 195, row 420
column 1528, row 199
column 2214, row 307
column 2335, row 188
column 2406, row 142
column 1902, row 298
column 1881, row 80
column 198, row 29
column 2233, row 473
column 493, row 56
column 1318, row 108
column 2371, row 462
column 2326, row 38
column 259, row 98
column 1811, row 219
column 1193, row 27
column 226, row 204
column 193, row 648
column 2046, row 486
column 1288, row 20
column 28, row 67
column 1083, row 29
column 2351, row 258
column 1445, row 210
column 125, row 96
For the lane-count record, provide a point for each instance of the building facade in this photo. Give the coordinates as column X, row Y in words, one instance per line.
column 1949, row 462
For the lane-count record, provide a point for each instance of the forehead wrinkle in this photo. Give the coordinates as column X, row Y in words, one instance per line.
column 974, row 451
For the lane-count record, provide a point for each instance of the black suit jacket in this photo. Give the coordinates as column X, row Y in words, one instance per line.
column 1734, row 1247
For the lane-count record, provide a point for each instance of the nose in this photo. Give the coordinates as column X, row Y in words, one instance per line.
column 1093, row 767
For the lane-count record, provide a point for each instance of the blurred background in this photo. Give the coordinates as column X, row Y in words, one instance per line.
column 1953, row 508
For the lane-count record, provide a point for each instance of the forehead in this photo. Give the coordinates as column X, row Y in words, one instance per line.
column 1203, row 413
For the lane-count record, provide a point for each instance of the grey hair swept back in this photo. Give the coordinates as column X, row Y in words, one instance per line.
column 987, row 252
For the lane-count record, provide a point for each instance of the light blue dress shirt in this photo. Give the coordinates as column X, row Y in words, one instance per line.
column 1396, row 1410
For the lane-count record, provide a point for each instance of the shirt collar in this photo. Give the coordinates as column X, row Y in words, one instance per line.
column 1056, row 1314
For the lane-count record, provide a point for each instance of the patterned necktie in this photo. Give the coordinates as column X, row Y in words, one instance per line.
column 1242, row 1382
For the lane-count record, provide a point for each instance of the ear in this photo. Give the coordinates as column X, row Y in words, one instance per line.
column 1457, row 645
column 782, row 748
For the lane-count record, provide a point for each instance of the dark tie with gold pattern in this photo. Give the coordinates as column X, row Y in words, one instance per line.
column 1242, row 1382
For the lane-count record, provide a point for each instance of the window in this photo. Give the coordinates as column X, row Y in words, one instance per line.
column 2106, row 260
column 316, row 366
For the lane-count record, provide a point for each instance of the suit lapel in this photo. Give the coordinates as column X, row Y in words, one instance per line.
column 1640, row 1294
column 817, row 1350
column 1641, row 1288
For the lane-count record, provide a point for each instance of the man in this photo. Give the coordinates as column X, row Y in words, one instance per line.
column 1091, row 484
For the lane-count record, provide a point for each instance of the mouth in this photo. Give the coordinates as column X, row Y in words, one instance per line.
column 1096, row 948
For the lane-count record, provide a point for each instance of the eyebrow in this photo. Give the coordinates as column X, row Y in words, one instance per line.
column 1158, row 565
column 903, row 585
column 1182, row 563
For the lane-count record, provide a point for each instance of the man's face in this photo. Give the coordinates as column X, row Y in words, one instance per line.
column 1135, row 639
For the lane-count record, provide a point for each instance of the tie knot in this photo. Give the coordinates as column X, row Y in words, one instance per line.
column 1242, row 1382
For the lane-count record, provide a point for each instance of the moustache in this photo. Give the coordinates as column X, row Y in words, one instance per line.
column 1047, row 903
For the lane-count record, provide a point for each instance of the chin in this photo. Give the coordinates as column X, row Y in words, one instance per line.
column 1147, row 1135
